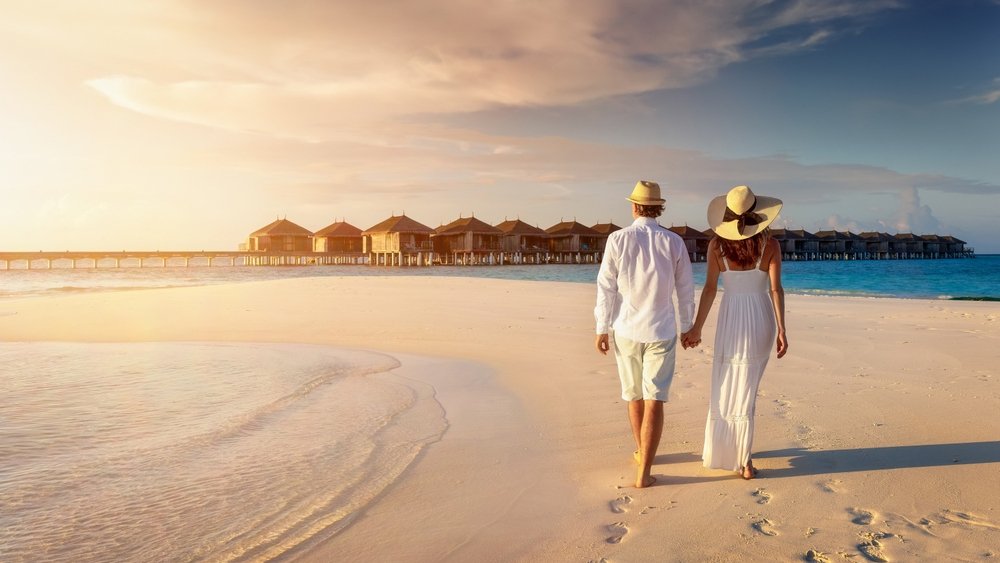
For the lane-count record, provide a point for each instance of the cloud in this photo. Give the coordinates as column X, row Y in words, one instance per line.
column 914, row 217
column 985, row 98
column 317, row 70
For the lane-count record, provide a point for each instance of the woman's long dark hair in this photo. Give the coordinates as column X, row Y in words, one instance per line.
column 744, row 253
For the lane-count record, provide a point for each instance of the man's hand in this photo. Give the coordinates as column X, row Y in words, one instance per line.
column 602, row 344
column 691, row 338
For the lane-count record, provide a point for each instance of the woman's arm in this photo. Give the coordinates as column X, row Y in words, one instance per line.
column 693, row 336
column 777, row 296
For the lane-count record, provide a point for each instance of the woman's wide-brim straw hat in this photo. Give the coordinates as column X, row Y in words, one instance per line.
column 646, row 193
column 740, row 214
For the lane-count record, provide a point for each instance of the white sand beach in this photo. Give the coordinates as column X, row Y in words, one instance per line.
column 877, row 436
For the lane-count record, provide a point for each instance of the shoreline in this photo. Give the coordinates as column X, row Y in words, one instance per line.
column 907, row 380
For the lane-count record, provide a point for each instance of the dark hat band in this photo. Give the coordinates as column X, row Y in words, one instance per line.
column 748, row 217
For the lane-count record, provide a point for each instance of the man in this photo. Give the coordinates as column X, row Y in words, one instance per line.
column 644, row 265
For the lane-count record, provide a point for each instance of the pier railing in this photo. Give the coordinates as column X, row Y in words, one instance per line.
column 45, row 260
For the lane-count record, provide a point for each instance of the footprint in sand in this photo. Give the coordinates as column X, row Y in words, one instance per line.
column 620, row 504
column 618, row 531
column 861, row 516
column 956, row 516
column 765, row 527
column 817, row 556
column 763, row 497
column 871, row 546
column 832, row 486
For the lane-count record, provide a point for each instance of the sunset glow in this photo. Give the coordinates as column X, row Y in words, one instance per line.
column 187, row 125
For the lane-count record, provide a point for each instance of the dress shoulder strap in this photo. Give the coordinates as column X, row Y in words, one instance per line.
column 760, row 258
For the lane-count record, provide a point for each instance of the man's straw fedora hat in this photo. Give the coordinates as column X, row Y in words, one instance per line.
column 740, row 214
column 646, row 193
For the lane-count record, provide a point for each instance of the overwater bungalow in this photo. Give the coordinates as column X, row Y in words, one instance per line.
column 954, row 248
column 695, row 241
column 522, row 243
column 467, row 241
column 907, row 245
column 604, row 229
column 796, row 244
column 280, row 236
column 571, row 242
column 932, row 246
column 398, row 241
column 876, row 244
column 840, row 245
column 342, row 240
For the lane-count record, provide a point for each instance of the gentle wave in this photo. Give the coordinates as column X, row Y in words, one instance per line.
column 208, row 452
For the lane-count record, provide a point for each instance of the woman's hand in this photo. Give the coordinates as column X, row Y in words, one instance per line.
column 782, row 344
column 691, row 338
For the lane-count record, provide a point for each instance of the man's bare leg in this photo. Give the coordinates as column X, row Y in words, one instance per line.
column 635, row 411
column 651, row 429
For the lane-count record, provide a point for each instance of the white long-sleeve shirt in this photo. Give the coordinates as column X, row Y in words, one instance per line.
column 644, row 264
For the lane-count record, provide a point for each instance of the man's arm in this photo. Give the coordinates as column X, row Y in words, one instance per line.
column 684, row 285
column 607, row 294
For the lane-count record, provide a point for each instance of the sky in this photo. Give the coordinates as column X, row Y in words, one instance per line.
column 187, row 125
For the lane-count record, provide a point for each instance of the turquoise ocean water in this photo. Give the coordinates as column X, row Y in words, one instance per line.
column 247, row 452
column 965, row 278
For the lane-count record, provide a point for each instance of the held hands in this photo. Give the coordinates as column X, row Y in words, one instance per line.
column 691, row 338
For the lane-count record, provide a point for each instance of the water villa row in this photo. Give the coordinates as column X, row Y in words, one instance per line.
column 402, row 241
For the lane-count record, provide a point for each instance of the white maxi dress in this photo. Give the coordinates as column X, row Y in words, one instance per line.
column 744, row 336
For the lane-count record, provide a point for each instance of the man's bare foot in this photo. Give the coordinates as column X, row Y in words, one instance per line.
column 647, row 481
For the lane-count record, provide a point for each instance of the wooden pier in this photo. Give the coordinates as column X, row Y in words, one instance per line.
column 43, row 260
column 400, row 241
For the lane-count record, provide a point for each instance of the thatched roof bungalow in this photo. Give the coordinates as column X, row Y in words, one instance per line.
column 571, row 236
column 466, row 234
column 932, row 244
column 952, row 245
column 796, row 241
column 280, row 236
column 604, row 229
column 518, row 236
column 339, row 236
column 840, row 242
column 908, row 243
column 875, row 242
column 397, row 234
column 695, row 241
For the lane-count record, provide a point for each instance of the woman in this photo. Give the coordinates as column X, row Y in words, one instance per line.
column 751, row 317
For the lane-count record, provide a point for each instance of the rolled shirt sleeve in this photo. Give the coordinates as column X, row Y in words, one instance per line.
column 645, row 265
column 684, row 284
column 607, row 289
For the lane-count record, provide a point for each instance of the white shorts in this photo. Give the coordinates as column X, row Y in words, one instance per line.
column 646, row 369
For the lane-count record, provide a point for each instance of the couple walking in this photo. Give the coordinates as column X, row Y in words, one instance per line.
column 644, row 266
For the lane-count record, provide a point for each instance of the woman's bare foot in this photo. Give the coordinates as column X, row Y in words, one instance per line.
column 647, row 481
column 748, row 472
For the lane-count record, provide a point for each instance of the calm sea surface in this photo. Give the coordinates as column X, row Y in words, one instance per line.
column 925, row 279
column 239, row 452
